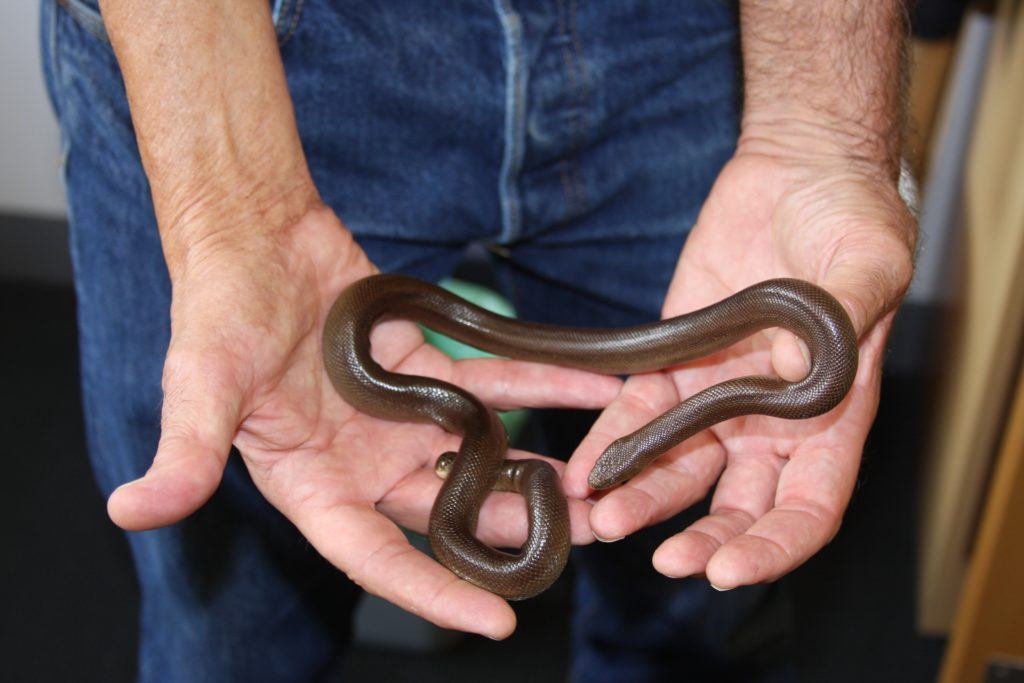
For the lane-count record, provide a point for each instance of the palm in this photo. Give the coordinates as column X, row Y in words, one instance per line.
column 781, row 485
column 245, row 366
column 777, row 242
column 326, row 456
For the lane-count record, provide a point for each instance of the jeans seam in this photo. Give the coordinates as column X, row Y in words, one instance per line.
column 280, row 8
column 566, row 171
column 515, row 128
column 293, row 24
column 584, row 96
column 572, row 57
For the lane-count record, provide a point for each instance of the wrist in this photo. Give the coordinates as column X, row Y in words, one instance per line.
column 218, row 218
column 808, row 137
column 214, row 120
column 825, row 79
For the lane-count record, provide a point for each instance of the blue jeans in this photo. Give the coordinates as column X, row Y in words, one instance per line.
column 576, row 139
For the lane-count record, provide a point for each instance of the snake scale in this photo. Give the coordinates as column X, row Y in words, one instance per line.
column 480, row 465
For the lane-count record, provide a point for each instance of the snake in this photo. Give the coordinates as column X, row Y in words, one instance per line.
column 480, row 464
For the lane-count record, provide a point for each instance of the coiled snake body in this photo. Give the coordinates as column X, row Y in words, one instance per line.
column 480, row 466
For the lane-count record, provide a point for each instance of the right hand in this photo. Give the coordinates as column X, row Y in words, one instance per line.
column 244, row 367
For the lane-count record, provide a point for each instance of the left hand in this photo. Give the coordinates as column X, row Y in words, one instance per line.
column 782, row 485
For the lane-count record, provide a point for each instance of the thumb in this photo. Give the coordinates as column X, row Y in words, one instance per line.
column 200, row 416
column 868, row 280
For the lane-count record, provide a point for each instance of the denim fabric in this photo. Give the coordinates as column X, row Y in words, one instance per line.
column 576, row 139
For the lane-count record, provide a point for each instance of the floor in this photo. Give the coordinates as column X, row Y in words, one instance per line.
column 69, row 596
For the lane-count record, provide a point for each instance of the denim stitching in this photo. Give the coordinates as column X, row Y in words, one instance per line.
column 565, row 166
column 279, row 9
column 515, row 95
column 294, row 22
column 572, row 57
column 583, row 98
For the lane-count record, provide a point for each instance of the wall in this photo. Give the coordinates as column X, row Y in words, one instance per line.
column 33, row 236
column 29, row 141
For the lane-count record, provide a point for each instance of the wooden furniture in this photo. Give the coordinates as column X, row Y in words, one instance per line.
column 989, row 624
column 983, row 369
column 928, row 73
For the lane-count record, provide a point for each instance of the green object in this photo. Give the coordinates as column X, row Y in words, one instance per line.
column 494, row 302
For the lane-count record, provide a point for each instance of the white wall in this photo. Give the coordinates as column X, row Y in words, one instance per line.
column 29, row 141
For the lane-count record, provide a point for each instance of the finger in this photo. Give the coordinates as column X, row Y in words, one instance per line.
column 870, row 276
column 774, row 545
column 375, row 554
column 393, row 341
column 746, row 490
column 814, row 487
column 813, row 492
column 507, row 384
column 672, row 483
column 790, row 358
column 200, row 415
column 503, row 521
column 643, row 397
column 868, row 273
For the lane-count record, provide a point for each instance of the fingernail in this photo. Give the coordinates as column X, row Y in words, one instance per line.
column 719, row 588
column 608, row 540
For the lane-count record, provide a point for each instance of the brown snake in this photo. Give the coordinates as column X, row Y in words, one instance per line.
column 480, row 466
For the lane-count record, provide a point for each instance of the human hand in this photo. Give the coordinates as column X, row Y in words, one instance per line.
column 244, row 367
column 254, row 266
column 782, row 486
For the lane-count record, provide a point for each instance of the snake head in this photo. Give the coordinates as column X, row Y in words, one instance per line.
column 619, row 463
column 443, row 466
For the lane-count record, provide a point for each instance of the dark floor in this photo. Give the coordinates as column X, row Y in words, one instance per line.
column 69, row 596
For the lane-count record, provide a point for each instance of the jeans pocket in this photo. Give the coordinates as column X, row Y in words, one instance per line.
column 285, row 13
